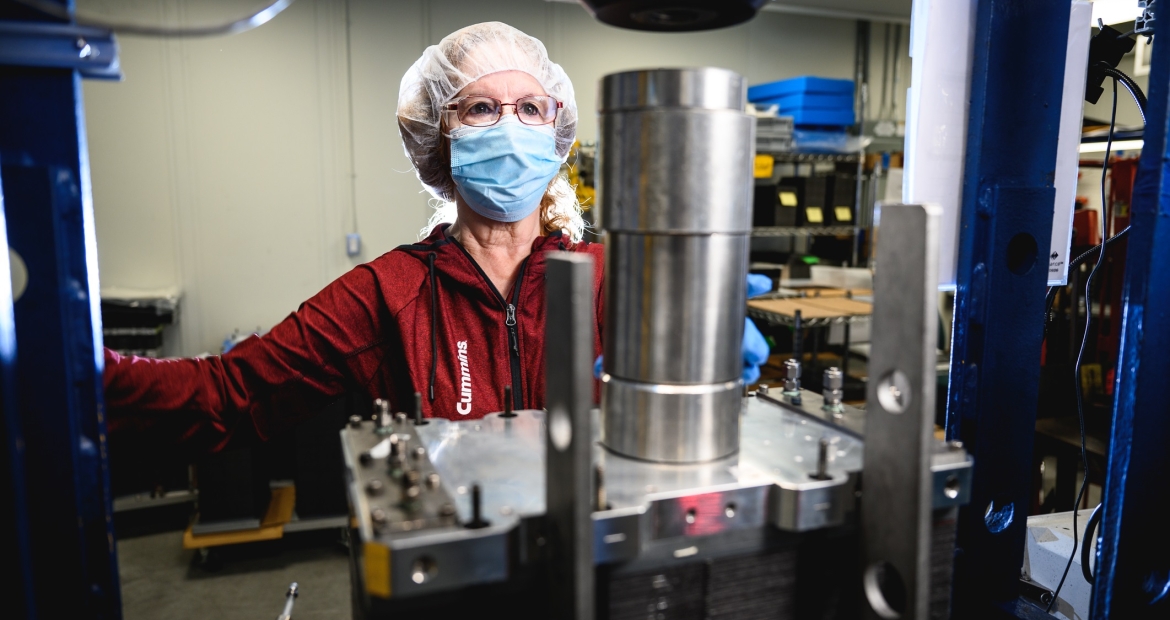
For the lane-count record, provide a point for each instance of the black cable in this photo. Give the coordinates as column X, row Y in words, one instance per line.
column 1090, row 527
column 1081, row 353
column 1076, row 262
column 1135, row 91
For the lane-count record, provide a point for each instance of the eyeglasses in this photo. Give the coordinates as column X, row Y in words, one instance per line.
column 479, row 111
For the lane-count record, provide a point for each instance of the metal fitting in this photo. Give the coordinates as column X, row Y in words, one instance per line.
column 833, row 388
column 791, row 375
column 382, row 418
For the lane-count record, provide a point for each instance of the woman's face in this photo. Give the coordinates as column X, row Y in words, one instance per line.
column 506, row 86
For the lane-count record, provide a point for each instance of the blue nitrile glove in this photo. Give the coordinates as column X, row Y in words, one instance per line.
column 755, row 348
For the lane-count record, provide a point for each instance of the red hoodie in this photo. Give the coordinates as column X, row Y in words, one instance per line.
column 422, row 317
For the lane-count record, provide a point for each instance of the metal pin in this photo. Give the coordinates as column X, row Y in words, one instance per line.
column 477, row 520
column 599, row 500
column 508, row 413
column 419, row 420
column 822, row 472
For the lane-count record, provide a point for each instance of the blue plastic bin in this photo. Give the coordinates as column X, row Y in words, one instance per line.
column 836, row 118
column 810, row 101
column 805, row 84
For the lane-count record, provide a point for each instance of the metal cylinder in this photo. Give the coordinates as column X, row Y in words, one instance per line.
column 674, row 192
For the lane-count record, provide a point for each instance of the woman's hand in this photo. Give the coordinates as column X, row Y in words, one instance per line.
column 755, row 348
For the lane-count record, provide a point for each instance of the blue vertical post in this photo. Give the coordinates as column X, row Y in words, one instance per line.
column 1005, row 226
column 44, row 172
column 1133, row 575
column 14, row 544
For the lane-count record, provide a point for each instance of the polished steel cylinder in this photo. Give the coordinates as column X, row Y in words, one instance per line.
column 674, row 194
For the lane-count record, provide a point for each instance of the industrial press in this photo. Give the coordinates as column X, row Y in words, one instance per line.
column 683, row 495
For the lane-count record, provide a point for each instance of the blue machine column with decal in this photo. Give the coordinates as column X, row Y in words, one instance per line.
column 1132, row 576
column 1005, row 227
column 56, row 409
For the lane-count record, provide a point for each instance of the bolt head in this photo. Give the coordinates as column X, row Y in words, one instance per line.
column 792, row 369
column 834, row 379
column 433, row 481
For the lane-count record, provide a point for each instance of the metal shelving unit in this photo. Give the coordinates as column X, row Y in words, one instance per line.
column 804, row 231
column 808, row 232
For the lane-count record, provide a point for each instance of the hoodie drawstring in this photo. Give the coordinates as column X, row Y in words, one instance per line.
column 434, row 324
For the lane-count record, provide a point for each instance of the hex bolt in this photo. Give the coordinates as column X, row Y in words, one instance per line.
column 792, row 381
column 762, row 388
column 508, row 413
column 833, row 388
column 418, row 453
column 400, row 418
column 419, row 420
column 378, row 516
column 433, row 481
column 395, row 445
column 822, row 472
column 355, row 421
column 375, row 487
column 791, row 375
column 382, row 417
column 447, row 510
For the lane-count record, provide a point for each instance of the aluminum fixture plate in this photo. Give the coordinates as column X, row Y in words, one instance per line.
column 767, row 483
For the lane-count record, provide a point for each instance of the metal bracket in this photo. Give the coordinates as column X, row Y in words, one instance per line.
column 898, row 482
column 91, row 51
column 569, row 447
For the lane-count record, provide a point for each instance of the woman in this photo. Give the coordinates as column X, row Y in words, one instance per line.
column 487, row 120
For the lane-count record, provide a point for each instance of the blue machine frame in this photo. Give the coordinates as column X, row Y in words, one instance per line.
column 54, row 461
column 1005, row 228
column 1133, row 573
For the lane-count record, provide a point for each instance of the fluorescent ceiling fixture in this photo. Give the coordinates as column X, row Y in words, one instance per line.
column 1118, row 145
column 1115, row 11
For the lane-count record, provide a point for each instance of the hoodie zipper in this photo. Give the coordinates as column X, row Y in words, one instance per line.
column 509, row 322
column 514, row 339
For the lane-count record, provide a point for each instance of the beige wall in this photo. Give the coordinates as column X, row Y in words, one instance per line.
column 232, row 168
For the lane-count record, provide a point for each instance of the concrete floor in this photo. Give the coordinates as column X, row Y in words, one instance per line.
column 160, row 579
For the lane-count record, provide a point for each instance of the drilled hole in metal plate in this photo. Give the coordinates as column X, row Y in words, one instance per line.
column 952, row 487
column 998, row 516
column 690, row 517
column 893, row 392
column 423, row 570
column 19, row 274
column 560, row 429
column 729, row 511
column 885, row 590
column 1021, row 253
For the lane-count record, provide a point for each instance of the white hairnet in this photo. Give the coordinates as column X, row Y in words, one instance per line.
column 461, row 58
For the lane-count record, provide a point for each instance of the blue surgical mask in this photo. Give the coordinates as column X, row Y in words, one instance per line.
column 502, row 171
